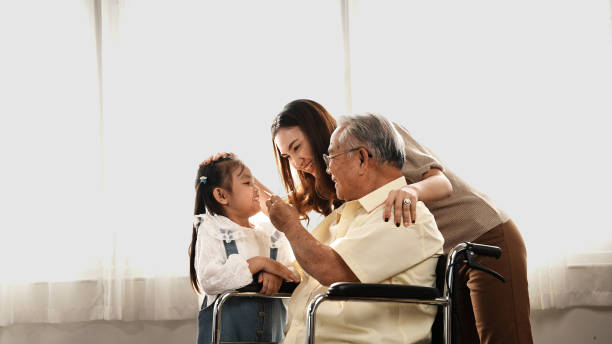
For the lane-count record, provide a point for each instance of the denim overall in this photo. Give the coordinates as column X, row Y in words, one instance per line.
column 245, row 319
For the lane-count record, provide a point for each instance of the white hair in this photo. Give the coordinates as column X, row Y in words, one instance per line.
column 375, row 133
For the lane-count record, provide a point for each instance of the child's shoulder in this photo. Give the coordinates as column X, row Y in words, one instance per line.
column 217, row 227
column 262, row 224
column 265, row 228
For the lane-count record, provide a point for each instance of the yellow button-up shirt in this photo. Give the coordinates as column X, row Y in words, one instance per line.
column 376, row 252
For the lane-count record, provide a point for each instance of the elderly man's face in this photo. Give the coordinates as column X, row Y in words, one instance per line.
column 342, row 167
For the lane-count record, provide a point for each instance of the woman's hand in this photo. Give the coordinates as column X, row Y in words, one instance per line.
column 270, row 283
column 401, row 211
column 433, row 187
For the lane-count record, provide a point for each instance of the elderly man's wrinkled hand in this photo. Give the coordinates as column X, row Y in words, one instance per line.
column 282, row 215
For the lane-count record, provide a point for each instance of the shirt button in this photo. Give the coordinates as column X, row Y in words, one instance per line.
column 261, row 314
column 259, row 333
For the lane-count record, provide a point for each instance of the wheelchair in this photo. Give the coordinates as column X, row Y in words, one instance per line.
column 442, row 295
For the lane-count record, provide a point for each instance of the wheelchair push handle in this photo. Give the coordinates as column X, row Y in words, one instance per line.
column 484, row 250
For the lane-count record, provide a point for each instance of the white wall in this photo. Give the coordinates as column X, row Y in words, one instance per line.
column 569, row 326
column 572, row 326
column 102, row 332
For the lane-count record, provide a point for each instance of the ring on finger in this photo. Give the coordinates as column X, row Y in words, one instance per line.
column 407, row 201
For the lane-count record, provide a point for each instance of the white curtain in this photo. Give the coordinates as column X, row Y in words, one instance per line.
column 107, row 109
column 514, row 96
column 108, row 106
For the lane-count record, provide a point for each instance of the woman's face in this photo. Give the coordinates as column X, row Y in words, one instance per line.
column 293, row 145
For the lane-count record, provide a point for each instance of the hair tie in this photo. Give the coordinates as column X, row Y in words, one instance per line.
column 203, row 179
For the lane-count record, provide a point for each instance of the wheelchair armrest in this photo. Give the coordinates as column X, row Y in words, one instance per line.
column 255, row 287
column 390, row 291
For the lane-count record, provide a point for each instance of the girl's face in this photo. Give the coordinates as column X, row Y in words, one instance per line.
column 244, row 198
column 293, row 145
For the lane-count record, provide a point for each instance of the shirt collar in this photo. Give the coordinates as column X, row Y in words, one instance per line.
column 375, row 198
column 220, row 221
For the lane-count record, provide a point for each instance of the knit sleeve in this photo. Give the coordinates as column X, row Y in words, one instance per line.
column 418, row 159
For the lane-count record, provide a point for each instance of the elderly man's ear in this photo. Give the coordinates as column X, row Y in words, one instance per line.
column 364, row 161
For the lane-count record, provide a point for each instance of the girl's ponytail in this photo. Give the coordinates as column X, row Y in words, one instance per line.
column 212, row 175
column 193, row 275
column 200, row 208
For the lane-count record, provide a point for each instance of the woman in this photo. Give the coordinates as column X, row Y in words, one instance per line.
column 300, row 136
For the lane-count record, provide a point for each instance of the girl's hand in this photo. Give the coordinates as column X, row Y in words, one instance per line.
column 395, row 203
column 270, row 283
column 278, row 269
column 259, row 263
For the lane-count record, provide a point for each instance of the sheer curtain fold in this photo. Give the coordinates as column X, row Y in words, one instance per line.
column 99, row 204
column 108, row 106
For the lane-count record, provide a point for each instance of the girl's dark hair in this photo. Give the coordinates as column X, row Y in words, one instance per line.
column 218, row 174
column 318, row 194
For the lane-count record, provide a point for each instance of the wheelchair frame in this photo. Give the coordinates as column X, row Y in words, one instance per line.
column 361, row 292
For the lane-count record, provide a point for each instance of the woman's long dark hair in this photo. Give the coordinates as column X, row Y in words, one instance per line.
column 318, row 194
column 218, row 174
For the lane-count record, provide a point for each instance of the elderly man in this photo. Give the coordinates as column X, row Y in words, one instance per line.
column 353, row 244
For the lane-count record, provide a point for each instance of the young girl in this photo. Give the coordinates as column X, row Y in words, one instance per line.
column 227, row 250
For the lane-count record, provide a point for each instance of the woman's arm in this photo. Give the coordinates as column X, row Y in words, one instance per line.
column 433, row 187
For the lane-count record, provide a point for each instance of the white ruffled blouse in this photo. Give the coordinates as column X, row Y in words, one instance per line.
column 218, row 273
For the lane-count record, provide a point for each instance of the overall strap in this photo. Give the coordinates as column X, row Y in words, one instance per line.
column 274, row 250
column 230, row 247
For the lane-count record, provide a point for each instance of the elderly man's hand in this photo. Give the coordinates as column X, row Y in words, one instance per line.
column 282, row 215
